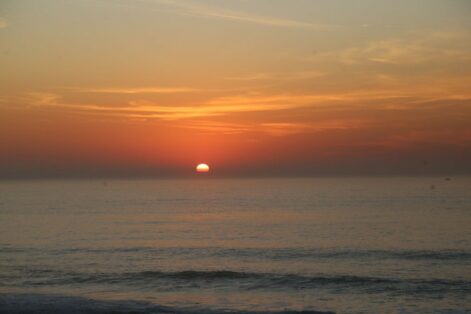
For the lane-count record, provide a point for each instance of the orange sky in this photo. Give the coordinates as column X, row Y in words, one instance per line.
column 262, row 87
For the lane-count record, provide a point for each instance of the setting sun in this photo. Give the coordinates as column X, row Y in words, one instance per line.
column 202, row 168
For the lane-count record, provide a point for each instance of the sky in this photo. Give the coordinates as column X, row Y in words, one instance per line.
column 121, row 88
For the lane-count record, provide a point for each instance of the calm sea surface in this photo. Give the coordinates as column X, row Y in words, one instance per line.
column 344, row 245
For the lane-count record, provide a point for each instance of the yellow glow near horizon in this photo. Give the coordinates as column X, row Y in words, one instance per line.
column 202, row 168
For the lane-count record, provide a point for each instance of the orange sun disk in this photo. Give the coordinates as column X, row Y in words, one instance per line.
column 202, row 168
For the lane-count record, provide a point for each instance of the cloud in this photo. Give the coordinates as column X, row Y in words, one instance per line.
column 219, row 106
column 280, row 115
column 219, row 127
column 270, row 114
column 288, row 128
column 271, row 128
column 272, row 76
column 412, row 48
column 138, row 90
column 255, row 102
column 3, row 23
column 285, row 128
column 396, row 52
column 151, row 110
column 210, row 12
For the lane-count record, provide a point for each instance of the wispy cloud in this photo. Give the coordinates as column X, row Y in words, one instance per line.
column 272, row 115
column 228, row 105
column 3, row 23
column 199, row 10
column 263, row 110
column 220, row 127
column 413, row 48
column 219, row 106
column 275, row 76
column 138, row 90
column 151, row 110
column 289, row 128
column 273, row 128
column 285, row 128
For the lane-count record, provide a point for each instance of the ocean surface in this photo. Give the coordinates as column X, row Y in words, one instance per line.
column 321, row 245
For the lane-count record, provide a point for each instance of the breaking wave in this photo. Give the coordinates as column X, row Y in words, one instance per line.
column 58, row 304
column 192, row 279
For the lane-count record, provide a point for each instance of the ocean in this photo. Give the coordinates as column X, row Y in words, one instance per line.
column 310, row 245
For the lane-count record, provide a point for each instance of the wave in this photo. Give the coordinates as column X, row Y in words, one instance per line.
column 192, row 279
column 58, row 304
column 266, row 253
column 297, row 253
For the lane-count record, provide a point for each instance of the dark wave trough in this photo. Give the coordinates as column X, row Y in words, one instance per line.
column 59, row 304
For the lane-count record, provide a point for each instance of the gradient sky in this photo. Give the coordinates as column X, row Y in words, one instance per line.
column 251, row 87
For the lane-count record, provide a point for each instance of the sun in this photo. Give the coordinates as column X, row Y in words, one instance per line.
column 202, row 168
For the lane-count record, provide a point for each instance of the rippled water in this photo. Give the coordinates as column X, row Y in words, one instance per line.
column 344, row 245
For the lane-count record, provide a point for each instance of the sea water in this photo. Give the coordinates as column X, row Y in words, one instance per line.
column 344, row 245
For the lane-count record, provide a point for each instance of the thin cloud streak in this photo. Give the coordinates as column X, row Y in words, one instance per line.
column 210, row 12
column 139, row 90
column 3, row 23
column 415, row 48
column 379, row 100
column 268, row 76
column 146, row 109
column 273, row 128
